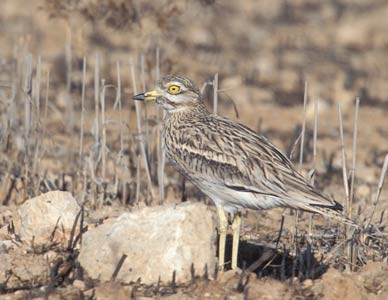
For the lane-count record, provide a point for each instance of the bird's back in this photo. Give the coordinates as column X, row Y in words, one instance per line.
column 236, row 167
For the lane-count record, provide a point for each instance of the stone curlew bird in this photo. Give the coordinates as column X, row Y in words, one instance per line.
column 230, row 163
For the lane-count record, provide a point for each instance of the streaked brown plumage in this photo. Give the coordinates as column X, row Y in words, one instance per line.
column 230, row 163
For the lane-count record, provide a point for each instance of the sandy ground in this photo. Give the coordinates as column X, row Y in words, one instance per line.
column 263, row 52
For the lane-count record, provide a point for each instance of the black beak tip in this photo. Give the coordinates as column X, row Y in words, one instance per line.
column 140, row 97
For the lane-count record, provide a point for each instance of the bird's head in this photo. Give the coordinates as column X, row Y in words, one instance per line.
column 173, row 93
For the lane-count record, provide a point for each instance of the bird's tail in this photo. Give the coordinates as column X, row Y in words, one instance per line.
column 334, row 212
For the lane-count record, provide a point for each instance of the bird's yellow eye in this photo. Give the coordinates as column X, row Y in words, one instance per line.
column 174, row 89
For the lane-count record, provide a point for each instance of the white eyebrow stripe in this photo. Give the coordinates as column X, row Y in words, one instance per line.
column 175, row 83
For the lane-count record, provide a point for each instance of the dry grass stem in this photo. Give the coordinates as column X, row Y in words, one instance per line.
column 103, row 123
column 82, row 125
column 354, row 155
column 140, row 133
column 68, row 99
column 305, row 98
column 379, row 188
column 215, row 94
column 97, row 99
column 343, row 159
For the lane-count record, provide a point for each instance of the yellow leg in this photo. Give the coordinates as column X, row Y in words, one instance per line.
column 223, row 226
column 236, row 238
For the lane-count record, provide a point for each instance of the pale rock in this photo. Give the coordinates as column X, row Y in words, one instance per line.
column 307, row 283
column 157, row 242
column 5, row 214
column 24, row 268
column 79, row 284
column 39, row 216
column 4, row 234
column 5, row 246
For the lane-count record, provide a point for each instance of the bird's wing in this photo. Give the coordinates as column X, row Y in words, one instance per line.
column 238, row 158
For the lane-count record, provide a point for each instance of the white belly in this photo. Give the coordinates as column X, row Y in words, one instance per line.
column 231, row 200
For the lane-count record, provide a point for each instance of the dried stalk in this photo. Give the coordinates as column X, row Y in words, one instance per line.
column 68, row 98
column 215, row 94
column 303, row 124
column 379, row 188
column 27, row 92
column 46, row 104
column 161, row 153
column 37, row 90
column 81, row 140
column 315, row 135
column 354, row 154
column 103, row 123
column 343, row 156
column 37, row 117
column 121, row 151
column 118, row 100
column 96, row 98
column 157, row 70
column 143, row 86
column 315, row 130
column 345, row 181
column 139, row 130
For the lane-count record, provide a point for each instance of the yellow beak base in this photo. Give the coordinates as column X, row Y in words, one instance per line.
column 148, row 96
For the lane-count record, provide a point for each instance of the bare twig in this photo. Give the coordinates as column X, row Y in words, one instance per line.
column 143, row 86
column 96, row 98
column 379, row 187
column 157, row 70
column 343, row 155
column 139, row 130
column 215, row 94
column 37, row 90
column 280, row 232
column 345, row 179
column 303, row 124
column 118, row 267
column 27, row 91
column 354, row 154
column 68, row 98
column 103, row 123
column 161, row 153
column 315, row 130
column 81, row 142
column 118, row 100
column 37, row 119
column 44, row 121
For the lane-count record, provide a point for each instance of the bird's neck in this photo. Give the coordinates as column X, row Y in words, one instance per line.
column 187, row 111
column 176, row 120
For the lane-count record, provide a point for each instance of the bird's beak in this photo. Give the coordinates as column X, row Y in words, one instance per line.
column 152, row 95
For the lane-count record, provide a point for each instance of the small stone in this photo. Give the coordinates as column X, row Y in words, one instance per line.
column 5, row 246
column 307, row 283
column 157, row 242
column 79, row 284
column 41, row 214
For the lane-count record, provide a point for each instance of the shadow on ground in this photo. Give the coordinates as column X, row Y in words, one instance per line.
column 267, row 260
